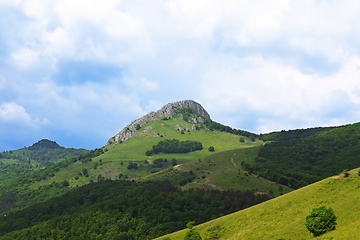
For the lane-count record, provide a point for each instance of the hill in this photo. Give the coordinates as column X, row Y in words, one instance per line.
column 18, row 163
column 223, row 170
column 284, row 216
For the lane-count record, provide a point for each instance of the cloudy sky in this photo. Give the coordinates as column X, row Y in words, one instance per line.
column 77, row 72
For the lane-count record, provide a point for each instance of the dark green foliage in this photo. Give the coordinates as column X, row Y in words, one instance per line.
column 359, row 172
column 175, row 146
column 123, row 210
column 65, row 183
column 211, row 149
column 320, row 220
column 192, row 234
column 346, row 173
column 132, row 165
column 242, row 139
column 295, row 134
column 211, row 125
column 299, row 162
column 137, row 127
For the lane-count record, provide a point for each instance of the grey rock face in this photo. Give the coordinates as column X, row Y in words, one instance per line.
column 168, row 110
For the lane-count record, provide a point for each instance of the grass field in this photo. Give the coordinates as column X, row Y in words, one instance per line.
column 285, row 216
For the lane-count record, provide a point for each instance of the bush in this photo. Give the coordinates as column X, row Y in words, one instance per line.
column 192, row 234
column 242, row 139
column 320, row 220
column 211, row 149
column 346, row 173
column 359, row 173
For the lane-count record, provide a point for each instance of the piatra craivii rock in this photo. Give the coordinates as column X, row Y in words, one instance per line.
column 168, row 110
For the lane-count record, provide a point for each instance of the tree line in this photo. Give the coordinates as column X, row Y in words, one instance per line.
column 123, row 210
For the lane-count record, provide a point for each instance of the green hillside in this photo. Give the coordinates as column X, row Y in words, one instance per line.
column 284, row 216
column 18, row 163
column 116, row 161
column 220, row 171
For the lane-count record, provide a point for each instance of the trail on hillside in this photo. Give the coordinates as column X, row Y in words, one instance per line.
column 232, row 160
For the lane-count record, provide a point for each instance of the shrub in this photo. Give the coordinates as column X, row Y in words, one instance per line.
column 346, row 173
column 359, row 173
column 211, row 149
column 320, row 220
column 242, row 139
column 192, row 234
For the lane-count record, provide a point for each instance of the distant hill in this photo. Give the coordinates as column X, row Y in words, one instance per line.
column 18, row 163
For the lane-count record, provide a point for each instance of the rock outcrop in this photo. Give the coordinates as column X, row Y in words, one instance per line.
column 168, row 110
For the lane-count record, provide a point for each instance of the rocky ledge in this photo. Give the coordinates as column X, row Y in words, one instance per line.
column 168, row 111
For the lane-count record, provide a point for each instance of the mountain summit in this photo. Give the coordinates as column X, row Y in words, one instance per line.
column 166, row 111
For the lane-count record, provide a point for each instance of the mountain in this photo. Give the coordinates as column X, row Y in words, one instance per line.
column 165, row 113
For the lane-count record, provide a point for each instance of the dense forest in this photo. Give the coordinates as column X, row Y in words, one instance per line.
column 301, row 161
column 175, row 146
column 123, row 210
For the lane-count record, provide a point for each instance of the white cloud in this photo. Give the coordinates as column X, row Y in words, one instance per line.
column 12, row 113
column 267, row 64
column 25, row 58
column 282, row 92
column 153, row 106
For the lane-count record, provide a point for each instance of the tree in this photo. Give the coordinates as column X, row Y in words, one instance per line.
column 320, row 220
column 84, row 170
column 192, row 234
column 359, row 173
column 346, row 173
column 242, row 139
column 65, row 183
column 211, row 149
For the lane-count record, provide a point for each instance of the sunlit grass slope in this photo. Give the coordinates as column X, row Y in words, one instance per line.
column 284, row 216
column 223, row 171
column 116, row 160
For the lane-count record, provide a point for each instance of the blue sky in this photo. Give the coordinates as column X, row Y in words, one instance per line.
column 77, row 72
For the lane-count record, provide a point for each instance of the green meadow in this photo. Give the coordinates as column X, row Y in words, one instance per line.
column 284, row 216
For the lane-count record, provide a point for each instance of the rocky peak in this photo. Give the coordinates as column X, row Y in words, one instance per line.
column 168, row 110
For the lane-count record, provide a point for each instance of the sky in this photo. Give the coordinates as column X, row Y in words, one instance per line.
column 77, row 72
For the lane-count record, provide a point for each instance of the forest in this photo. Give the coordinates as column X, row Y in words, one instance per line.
column 175, row 146
column 301, row 161
column 123, row 209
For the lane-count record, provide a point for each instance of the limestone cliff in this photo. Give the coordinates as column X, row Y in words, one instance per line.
column 168, row 110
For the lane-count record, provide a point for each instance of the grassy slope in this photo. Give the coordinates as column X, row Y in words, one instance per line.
column 284, row 216
column 221, row 173
column 134, row 150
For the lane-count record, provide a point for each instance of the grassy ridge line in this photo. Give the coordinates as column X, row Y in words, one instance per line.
column 284, row 216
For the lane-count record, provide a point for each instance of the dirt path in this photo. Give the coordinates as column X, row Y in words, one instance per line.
column 232, row 160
